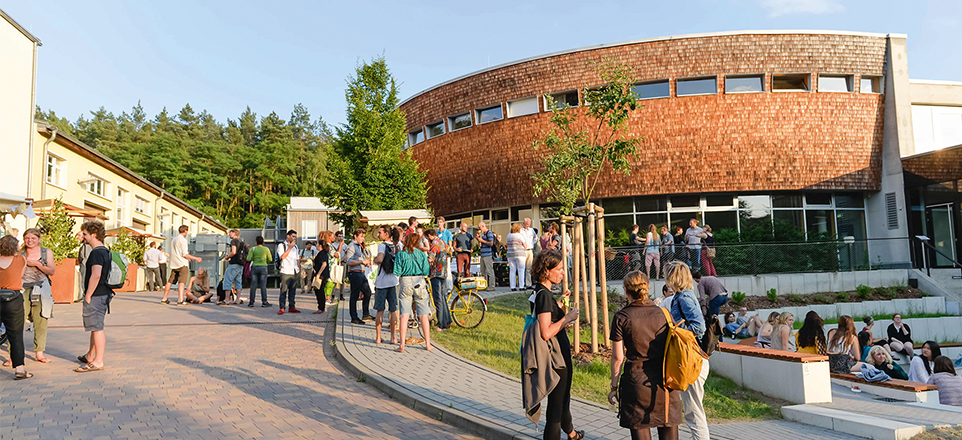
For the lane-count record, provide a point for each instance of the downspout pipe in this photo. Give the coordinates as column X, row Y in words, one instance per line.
column 33, row 111
column 43, row 185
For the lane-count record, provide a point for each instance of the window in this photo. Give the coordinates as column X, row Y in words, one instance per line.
column 697, row 86
column 500, row 215
column 96, row 185
column 164, row 225
column 871, row 84
column 726, row 200
column 56, row 170
column 140, row 205
column 490, row 114
column 685, row 202
column 849, row 200
column 415, row 137
column 818, row 199
column 460, row 121
column 557, row 101
column 786, row 201
column 622, row 205
column 745, row 84
column 521, row 107
column 790, row 82
column 123, row 199
column 648, row 204
column 436, row 129
column 835, row 83
column 653, row 89
column 308, row 229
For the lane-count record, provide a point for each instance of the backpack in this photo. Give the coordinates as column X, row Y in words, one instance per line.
column 713, row 331
column 683, row 356
column 387, row 264
column 243, row 249
column 117, row 272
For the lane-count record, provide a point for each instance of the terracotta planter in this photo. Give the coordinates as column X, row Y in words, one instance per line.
column 63, row 282
column 131, row 284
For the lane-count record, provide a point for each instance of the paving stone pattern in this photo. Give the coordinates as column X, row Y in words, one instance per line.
column 180, row 372
column 445, row 380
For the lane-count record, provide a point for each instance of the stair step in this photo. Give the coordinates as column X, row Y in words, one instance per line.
column 848, row 423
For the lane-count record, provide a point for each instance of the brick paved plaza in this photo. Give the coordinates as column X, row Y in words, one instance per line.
column 201, row 372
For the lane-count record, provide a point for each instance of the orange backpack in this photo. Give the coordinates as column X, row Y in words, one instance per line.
column 683, row 356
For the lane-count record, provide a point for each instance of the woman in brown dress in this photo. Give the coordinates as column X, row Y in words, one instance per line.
column 639, row 332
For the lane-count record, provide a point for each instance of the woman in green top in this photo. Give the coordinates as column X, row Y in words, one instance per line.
column 411, row 267
column 260, row 257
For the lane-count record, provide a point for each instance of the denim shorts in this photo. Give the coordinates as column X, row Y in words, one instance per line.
column 414, row 295
column 388, row 294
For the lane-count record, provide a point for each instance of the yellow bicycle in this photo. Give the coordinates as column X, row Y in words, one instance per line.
column 467, row 307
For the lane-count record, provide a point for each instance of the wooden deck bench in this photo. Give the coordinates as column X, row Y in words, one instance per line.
column 796, row 377
column 894, row 388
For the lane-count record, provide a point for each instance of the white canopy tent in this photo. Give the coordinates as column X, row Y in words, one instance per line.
column 394, row 217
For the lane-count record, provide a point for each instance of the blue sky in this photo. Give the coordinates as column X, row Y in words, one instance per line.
column 226, row 55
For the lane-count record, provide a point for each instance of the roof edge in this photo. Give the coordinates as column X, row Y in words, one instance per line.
column 20, row 28
column 651, row 40
column 935, row 82
column 44, row 128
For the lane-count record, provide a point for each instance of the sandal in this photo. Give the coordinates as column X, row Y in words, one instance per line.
column 43, row 360
column 88, row 368
column 22, row 376
column 579, row 435
column 83, row 359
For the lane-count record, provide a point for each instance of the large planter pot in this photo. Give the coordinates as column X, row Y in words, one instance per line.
column 131, row 284
column 63, row 282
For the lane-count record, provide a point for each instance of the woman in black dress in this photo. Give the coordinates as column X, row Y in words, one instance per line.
column 640, row 332
column 552, row 319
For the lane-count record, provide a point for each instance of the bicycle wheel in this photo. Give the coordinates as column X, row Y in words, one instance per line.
column 468, row 310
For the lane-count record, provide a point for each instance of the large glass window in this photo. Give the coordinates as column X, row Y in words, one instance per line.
column 788, row 224
column 654, row 89
column 622, row 205
column 682, row 219
column 617, row 228
column 685, row 202
column 651, row 203
column 851, row 223
column 727, row 200
column 821, row 199
column 820, row 224
column 697, row 86
column 871, row 84
column 658, row 219
column 786, row 201
column 849, row 200
column 745, row 84
column 722, row 220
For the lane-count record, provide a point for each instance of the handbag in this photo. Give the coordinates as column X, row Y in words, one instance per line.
column 711, row 253
column 337, row 274
column 316, row 284
column 7, row 295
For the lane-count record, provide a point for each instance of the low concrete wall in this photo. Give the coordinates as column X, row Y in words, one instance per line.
column 909, row 306
column 797, row 382
column 758, row 285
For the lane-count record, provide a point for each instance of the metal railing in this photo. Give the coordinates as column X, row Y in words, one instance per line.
column 761, row 258
column 927, row 257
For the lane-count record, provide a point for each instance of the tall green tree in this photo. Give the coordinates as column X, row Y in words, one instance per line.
column 370, row 168
column 583, row 142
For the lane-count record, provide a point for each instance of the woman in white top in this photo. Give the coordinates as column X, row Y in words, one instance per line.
column 163, row 264
column 764, row 339
column 782, row 335
column 921, row 368
column 514, row 243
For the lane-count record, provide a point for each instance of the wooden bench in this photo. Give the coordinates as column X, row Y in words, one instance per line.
column 894, row 388
column 768, row 353
column 796, row 377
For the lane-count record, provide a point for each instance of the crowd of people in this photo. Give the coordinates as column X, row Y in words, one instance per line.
column 694, row 246
column 851, row 351
column 25, row 295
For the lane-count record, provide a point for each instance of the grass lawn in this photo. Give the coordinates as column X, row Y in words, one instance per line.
column 496, row 343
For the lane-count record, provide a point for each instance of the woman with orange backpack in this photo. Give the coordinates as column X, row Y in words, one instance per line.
column 686, row 312
column 640, row 332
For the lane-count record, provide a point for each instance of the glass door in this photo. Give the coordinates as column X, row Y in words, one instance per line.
column 942, row 233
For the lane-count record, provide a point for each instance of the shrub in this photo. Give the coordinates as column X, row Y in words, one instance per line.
column 772, row 295
column 58, row 236
column 863, row 291
column 738, row 298
column 823, row 298
column 795, row 298
column 129, row 246
column 890, row 293
column 901, row 289
column 842, row 296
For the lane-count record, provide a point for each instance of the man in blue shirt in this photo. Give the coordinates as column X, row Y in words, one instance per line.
column 486, row 238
